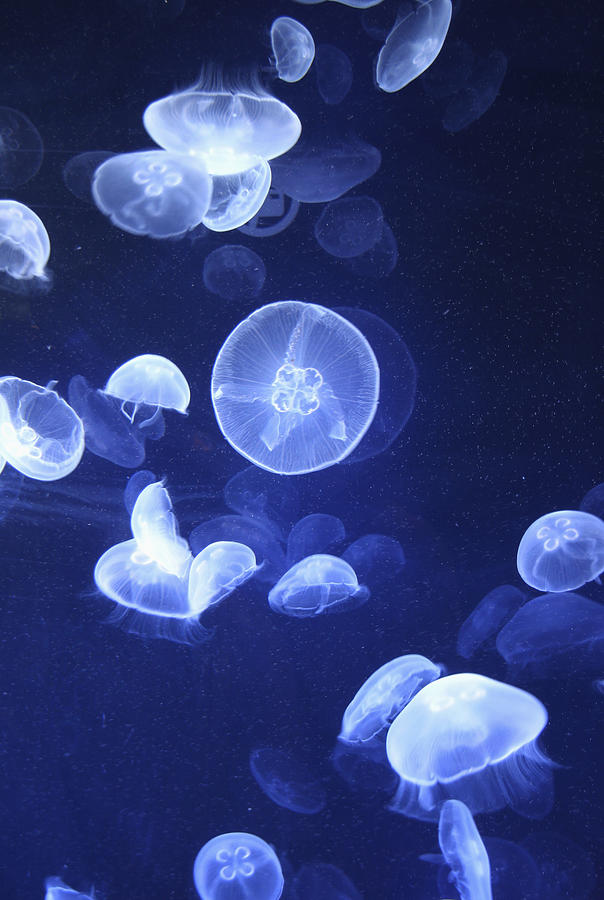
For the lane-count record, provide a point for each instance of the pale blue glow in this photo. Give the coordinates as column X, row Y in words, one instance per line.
column 155, row 529
column 234, row 272
column 489, row 615
column 349, row 227
column 562, row 551
column 217, row 571
column 413, row 44
column 316, row 585
column 287, row 781
column 464, row 851
column 294, row 48
column 56, row 889
column 21, row 148
column 24, row 242
column 151, row 380
column 237, row 198
column 237, row 866
column 334, row 74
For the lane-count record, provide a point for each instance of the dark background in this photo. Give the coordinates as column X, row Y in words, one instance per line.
column 120, row 757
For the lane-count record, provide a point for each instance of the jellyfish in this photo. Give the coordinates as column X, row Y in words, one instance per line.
column 413, row 44
column 470, row 738
column 378, row 261
column 287, row 781
column 293, row 47
column 149, row 380
column 315, row 585
column 479, row 93
column 275, row 215
column 350, row 226
column 314, row 534
column 265, row 497
column 464, row 851
column 376, row 558
column 562, row 551
column 237, row 866
column 21, row 148
column 486, row 619
column 295, row 387
column 334, row 74
column 256, row 535
column 322, row 881
column 237, row 198
column 358, row 4
column 234, row 272
column 40, row 434
column 383, row 695
column 155, row 530
column 137, row 483
column 229, row 131
column 56, row 889
column 218, row 570
column 593, row 501
column 153, row 192
column 78, row 172
column 24, row 242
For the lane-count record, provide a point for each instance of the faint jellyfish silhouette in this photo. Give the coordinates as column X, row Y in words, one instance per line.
column 264, row 496
column 56, row 889
column 234, row 272
column 562, row 551
column 312, row 535
column 149, row 380
column 293, row 47
column 487, row 617
column 78, row 172
column 308, row 380
column 380, row 260
column 237, row 866
column 24, row 242
column 40, row 434
column 21, row 148
column 316, row 585
column 479, row 94
column 322, row 881
column 228, row 131
column 153, row 192
column 237, row 198
column 383, row 695
column 257, row 535
column 593, row 501
column 334, row 74
column 377, row 559
column 470, row 738
column 464, row 851
column 276, row 213
column 413, row 44
column 218, row 570
column 287, row 781
column 136, row 483
column 350, row 226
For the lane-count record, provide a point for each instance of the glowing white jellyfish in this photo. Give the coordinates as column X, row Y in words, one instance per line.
column 294, row 48
column 562, row 551
column 315, row 585
column 464, row 852
column 237, row 866
column 217, row 571
column 24, row 242
column 151, row 380
column 413, row 44
column 237, row 198
column 155, row 530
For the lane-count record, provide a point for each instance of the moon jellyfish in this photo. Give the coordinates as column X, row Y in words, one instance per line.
column 78, row 172
column 136, row 483
column 24, row 242
column 237, row 866
column 293, row 47
column 315, row 585
column 152, row 192
column 377, row 559
column 464, row 852
column 155, row 530
column 478, row 95
column 287, row 781
column 237, row 198
column 562, row 551
column 20, row 148
column 322, row 881
column 314, row 534
column 385, row 693
column 149, row 380
column 264, row 497
column 295, row 387
column 218, row 570
column 228, row 131
column 486, row 619
column 256, row 535
column 56, row 889
column 470, row 738
column 234, row 272
column 413, row 44
column 350, row 226
column 40, row 434
column 334, row 74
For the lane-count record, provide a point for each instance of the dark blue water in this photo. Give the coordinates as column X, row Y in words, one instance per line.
column 120, row 756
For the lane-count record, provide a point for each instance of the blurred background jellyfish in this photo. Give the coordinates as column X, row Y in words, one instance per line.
column 287, row 781
column 234, row 272
column 413, row 44
column 562, row 551
column 378, row 261
column 24, row 242
column 40, row 434
column 237, row 866
column 149, row 380
column 21, row 148
column 218, row 570
column 464, row 852
column 237, row 198
column 56, row 889
column 152, row 192
column 315, row 585
column 293, row 48
column 377, row 559
column 478, row 94
column 230, row 132
column 322, row 881
column 334, row 74
column 350, row 226
column 470, row 738
column 450, row 70
column 486, row 619
column 316, row 533
column 295, row 387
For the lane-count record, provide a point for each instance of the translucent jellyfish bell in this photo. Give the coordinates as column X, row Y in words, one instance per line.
column 155, row 530
column 152, row 380
column 413, row 44
column 294, row 48
column 562, row 551
column 287, row 781
column 469, row 738
column 316, row 585
column 217, row 571
column 229, row 131
column 464, row 851
column 237, row 198
column 237, row 866
column 40, row 434
column 295, row 387
column 24, row 242
column 21, row 148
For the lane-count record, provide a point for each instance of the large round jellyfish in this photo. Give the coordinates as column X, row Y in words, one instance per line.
column 486, row 619
column 334, row 74
column 20, row 148
column 350, row 226
column 40, row 434
column 413, row 44
column 228, row 131
column 316, row 585
column 24, row 242
column 287, row 781
column 464, row 852
column 293, row 47
column 562, row 551
column 295, row 387
column 217, row 571
column 469, row 738
column 153, row 192
column 234, row 272
column 237, row 866
column 150, row 380
column 237, row 198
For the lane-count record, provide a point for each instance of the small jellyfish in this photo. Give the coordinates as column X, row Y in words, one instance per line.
column 315, row 585
column 334, row 74
column 479, row 93
column 470, row 738
column 486, row 619
column 234, row 272
column 24, row 242
column 40, row 434
column 464, row 852
column 149, row 380
column 287, row 781
column 56, row 889
column 305, row 377
column 21, row 148
column 385, row 693
column 152, row 192
column 413, row 44
column 218, row 570
column 237, row 866
column 293, row 47
column 562, row 551
column 237, row 198
column 155, row 530
column 350, row 226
